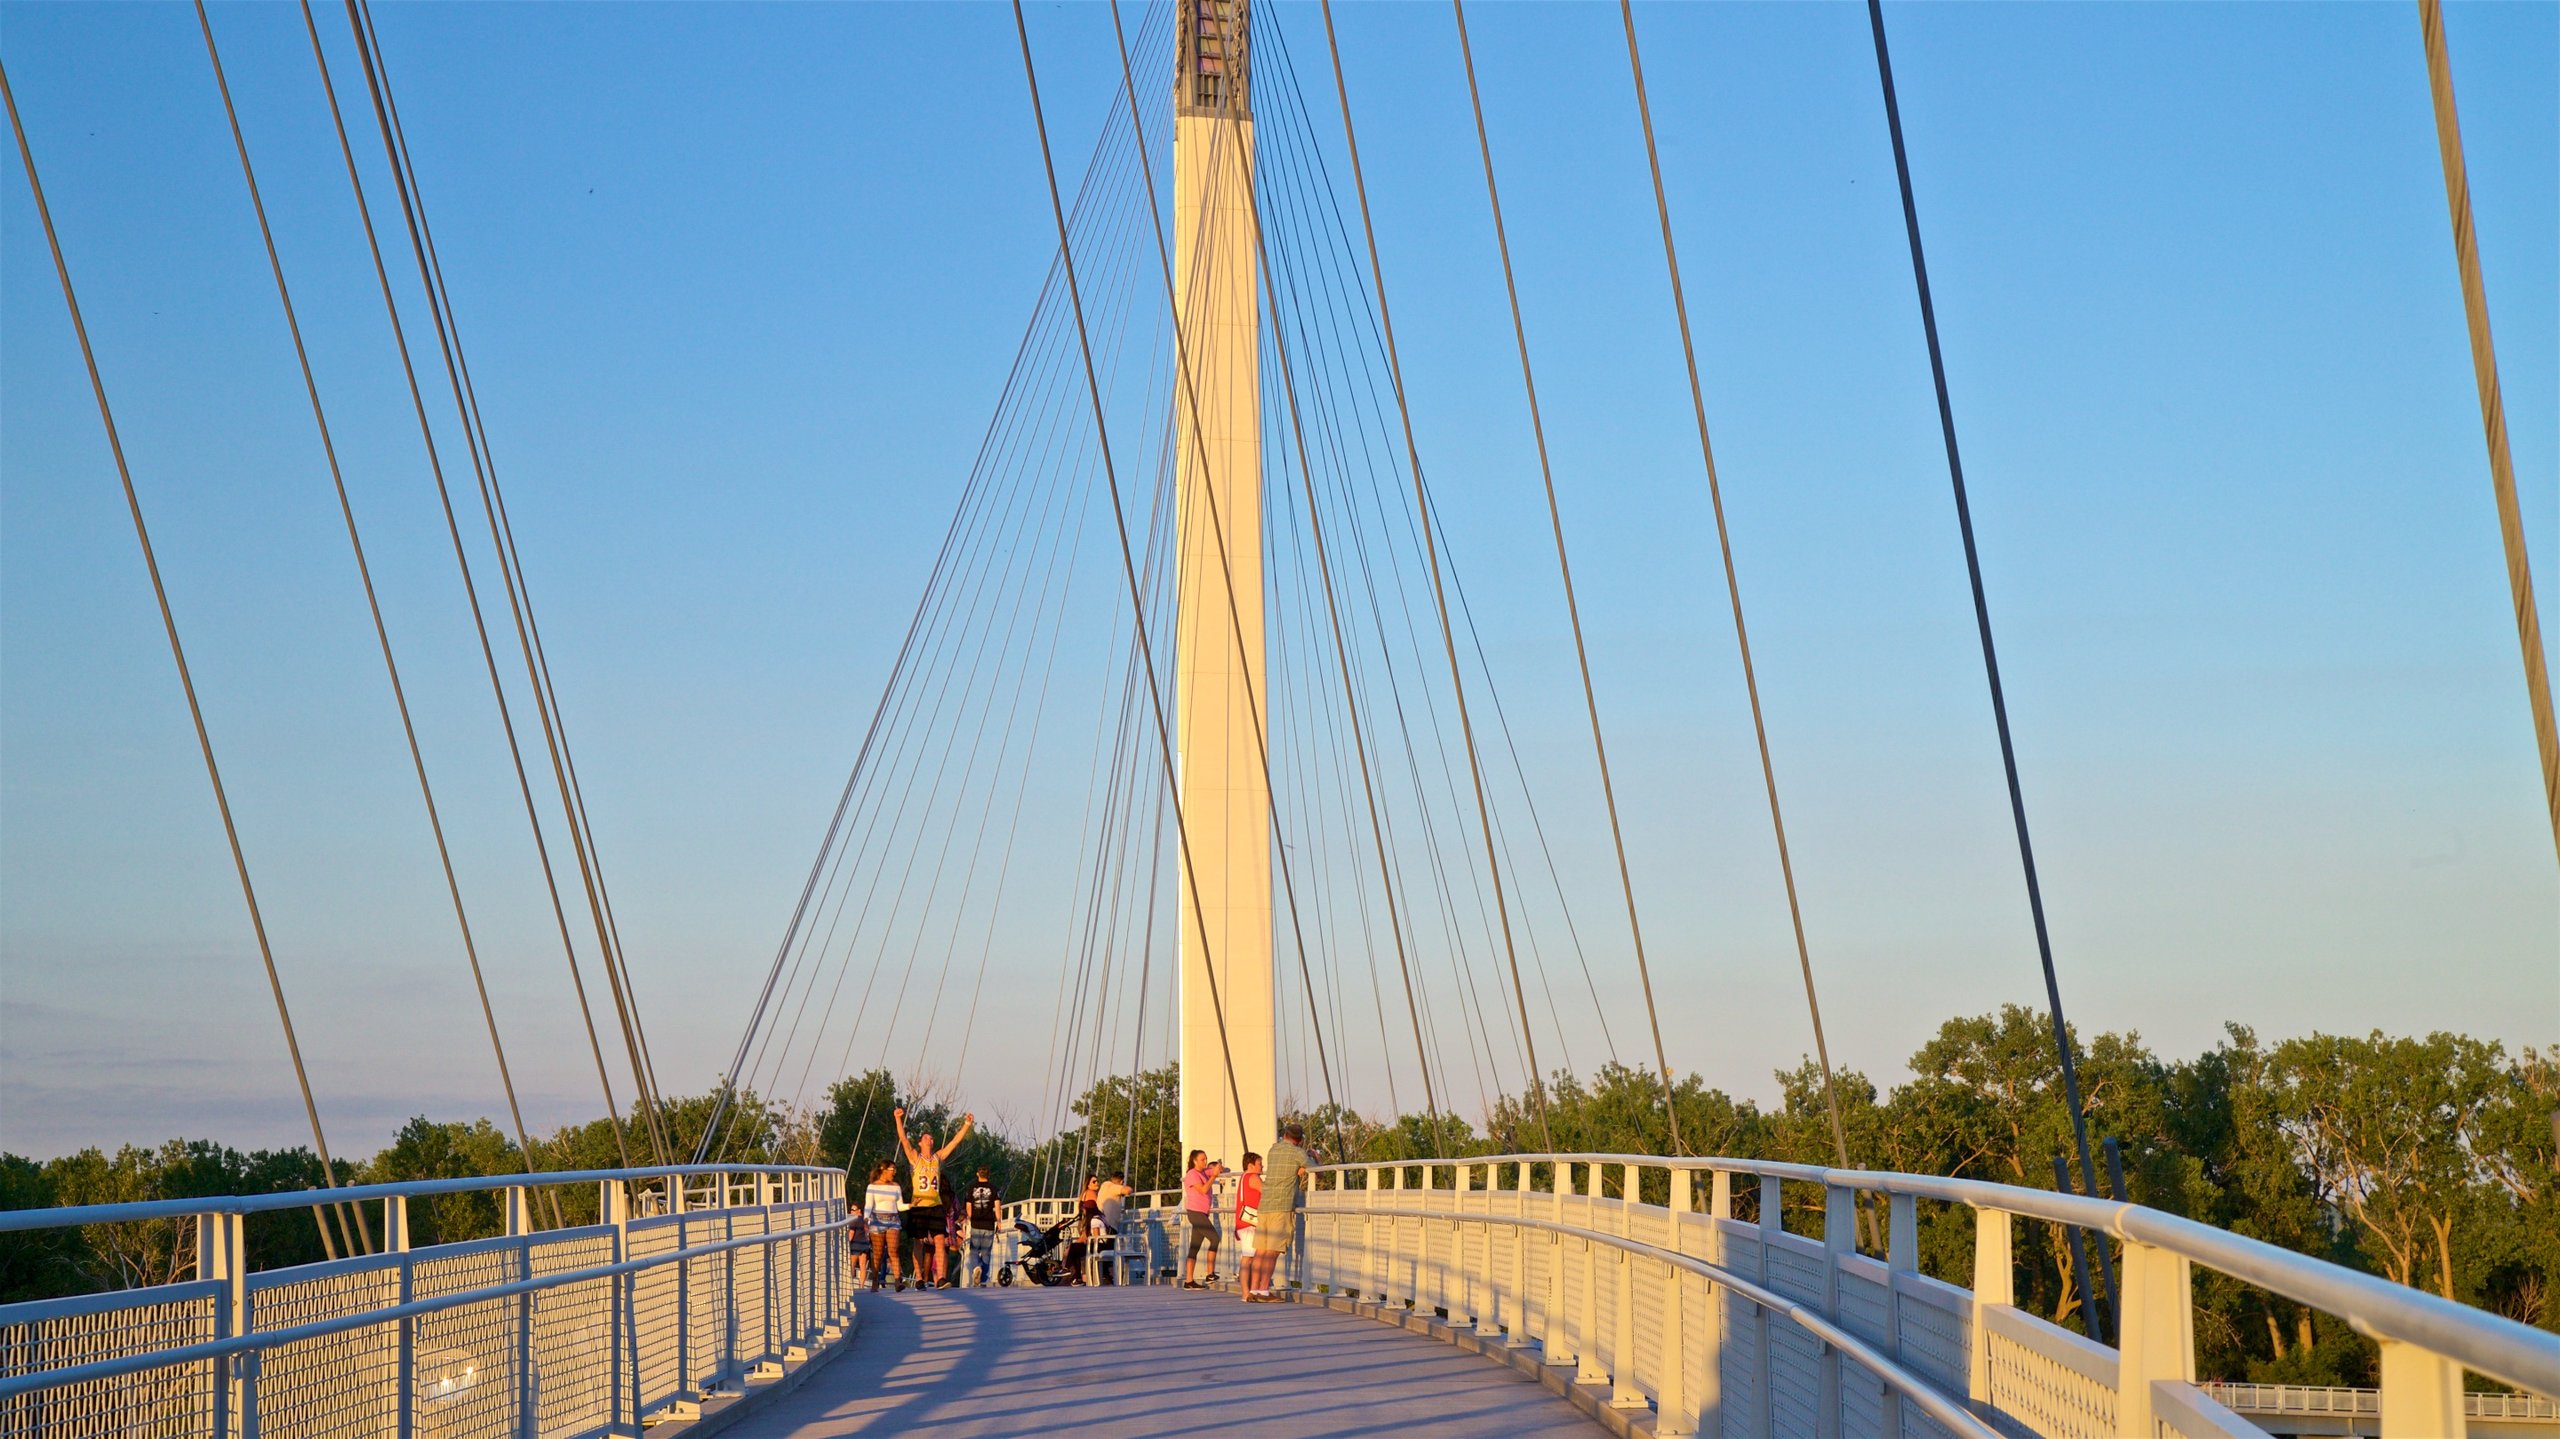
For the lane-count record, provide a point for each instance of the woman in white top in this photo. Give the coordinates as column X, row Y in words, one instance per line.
column 880, row 1206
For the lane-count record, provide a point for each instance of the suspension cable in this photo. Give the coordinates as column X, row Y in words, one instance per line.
column 1733, row 588
column 1564, row 569
column 493, row 503
column 357, row 1239
column 1448, row 638
column 1981, row 606
column 2493, row 409
column 373, row 601
column 429, row 275
column 435, row 466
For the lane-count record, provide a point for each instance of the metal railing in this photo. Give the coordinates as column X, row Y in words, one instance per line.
column 1742, row 1328
column 2331, row 1399
column 694, row 1279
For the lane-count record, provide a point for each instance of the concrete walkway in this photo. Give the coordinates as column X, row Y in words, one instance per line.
column 1155, row 1362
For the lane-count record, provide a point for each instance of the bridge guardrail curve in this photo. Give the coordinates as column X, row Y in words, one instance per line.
column 692, row 1279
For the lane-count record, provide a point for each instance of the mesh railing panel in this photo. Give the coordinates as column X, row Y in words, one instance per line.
column 573, row 1332
column 339, row 1384
column 2046, row 1395
column 155, row 1404
column 655, row 1303
column 469, row 1367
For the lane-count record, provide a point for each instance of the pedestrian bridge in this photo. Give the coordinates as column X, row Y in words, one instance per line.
column 1689, row 1296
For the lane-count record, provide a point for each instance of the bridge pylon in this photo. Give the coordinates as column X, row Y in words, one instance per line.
column 1218, row 677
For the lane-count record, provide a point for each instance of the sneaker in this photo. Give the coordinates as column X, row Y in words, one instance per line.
column 1193, row 1284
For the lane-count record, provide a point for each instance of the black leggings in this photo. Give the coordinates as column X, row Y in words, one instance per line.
column 1204, row 1233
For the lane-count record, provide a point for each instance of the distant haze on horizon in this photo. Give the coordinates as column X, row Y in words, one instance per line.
column 741, row 283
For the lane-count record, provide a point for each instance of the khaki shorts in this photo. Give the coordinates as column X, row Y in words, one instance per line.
column 1272, row 1238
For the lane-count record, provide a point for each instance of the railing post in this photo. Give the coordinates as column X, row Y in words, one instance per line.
column 1839, row 1241
column 395, row 1240
column 766, row 1348
column 2421, row 1390
column 1773, row 1222
column 1375, row 1281
column 1672, row 1394
column 1709, row 1406
column 1559, row 1335
column 684, row 1286
column 613, row 1207
column 221, row 1258
column 2159, row 1338
column 1994, row 1286
column 518, row 1200
column 1518, row 1308
column 1901, row 1258
column 1624, row 1391
column 1587, row 1319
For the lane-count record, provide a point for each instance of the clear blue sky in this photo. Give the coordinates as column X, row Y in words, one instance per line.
column 741, row 283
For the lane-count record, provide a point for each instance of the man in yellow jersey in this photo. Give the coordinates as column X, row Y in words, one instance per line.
column 924, row 1217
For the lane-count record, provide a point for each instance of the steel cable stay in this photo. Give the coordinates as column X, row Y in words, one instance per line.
column 1081, row 444
column 342, row 1227
column 444, row 495
column 373, row 602
column 1470, row 1002
column 1733, row 592
column 971, row 508
column 1396, row 892
column 1322, row 405
column 1017, row 515
column 1463, row 975
column 982, row 565
column 999, row 462
column 1564, row 570
column 2493, row 408
column 1022, row 789
column 2062, row 1045
column 501, row 532
column 1399, row 587
column 435, row 465
column 1346, row 299
column 1475, row 769
column 1079, row 501
column 1168, row 535
column 1058, row 485
column 1332, row 638
column 1313, row 511
column 1344, row 677
column 1345, row 668
column 1123, row 752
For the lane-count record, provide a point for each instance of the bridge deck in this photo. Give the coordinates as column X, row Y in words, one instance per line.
column 1150, row 1361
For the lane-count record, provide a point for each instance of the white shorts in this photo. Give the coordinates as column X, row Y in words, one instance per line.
column 1244, row 1244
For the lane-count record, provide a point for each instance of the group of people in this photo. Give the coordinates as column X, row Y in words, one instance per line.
column 931, row 1227
column 1270, row 1183
column 921, row 1217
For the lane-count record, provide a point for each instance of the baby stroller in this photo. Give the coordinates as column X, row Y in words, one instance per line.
column 1040, row 1254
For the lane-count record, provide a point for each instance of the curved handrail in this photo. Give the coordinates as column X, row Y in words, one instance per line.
column 1950, row 1414
column 2486, row 1343
column 70, row 1214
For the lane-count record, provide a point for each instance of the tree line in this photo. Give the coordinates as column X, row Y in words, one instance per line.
column 2432, row 1162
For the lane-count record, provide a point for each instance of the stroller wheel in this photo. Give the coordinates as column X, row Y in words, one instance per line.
column 1004, row 1277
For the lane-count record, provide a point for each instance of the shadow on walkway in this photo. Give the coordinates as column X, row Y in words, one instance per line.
column 1151, row 1363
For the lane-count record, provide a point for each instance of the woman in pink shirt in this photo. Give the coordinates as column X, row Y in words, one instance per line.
column 1199, row 1176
